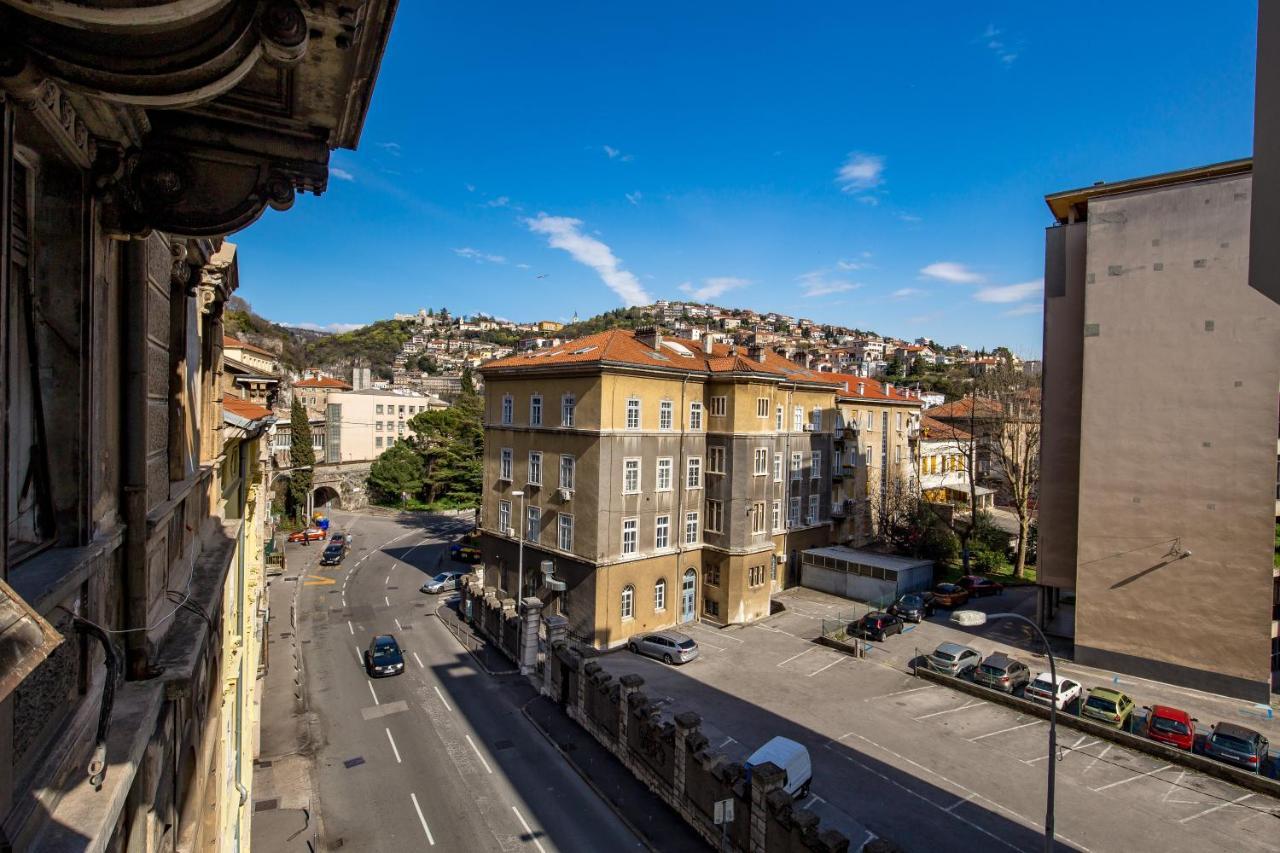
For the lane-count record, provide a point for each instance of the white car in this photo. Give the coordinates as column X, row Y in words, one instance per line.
column 1041, row 690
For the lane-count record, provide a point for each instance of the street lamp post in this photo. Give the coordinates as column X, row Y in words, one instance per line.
column 974, row 618
column 520, row 547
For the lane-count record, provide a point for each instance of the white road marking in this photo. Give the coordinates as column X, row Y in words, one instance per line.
column 476, row 749
column 344, row 599
column 1173, row 785
column 814, row 799
column 1078, row 745
column 359, row 657
column 529, row 831
column 727, row 741
column 422, row 819
column 387, row 599
column 721, row 634
column 421, row 665
column 1138, row 776
column 793, row 657
column 398, row 626
column 1096, row 757
column 1010, row 729
column 951, row 710
column 393, row 745
column 1213, row 809
column 374, row 695
column 438, row 693
column 828, row 666
column 958, row 803
column 349, row 628
column 902, row 692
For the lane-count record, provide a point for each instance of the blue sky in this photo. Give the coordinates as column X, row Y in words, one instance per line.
column 874, row 165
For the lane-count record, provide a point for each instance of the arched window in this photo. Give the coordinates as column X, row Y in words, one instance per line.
column 660, row 595
column 628, row 601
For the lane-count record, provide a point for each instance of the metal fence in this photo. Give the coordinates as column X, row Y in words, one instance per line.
column 836, row 629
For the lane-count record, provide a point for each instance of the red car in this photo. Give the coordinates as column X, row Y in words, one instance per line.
column 978, row 586
column 314, row 534
column 1172, row 726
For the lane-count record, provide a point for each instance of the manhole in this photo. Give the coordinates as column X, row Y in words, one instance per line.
column 353, row 762
column 266, row 805
column 503, row 744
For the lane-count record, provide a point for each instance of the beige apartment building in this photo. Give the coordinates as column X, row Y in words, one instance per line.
column 1158, row 478
column 360, row 425
column 662, row 481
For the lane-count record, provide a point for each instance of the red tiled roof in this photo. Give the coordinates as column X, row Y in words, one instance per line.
column 322, row 382
column 620, row 346
column 228, row 341
column 872, row 389
column 931, row 429
column 243, row 408
column 958, row 409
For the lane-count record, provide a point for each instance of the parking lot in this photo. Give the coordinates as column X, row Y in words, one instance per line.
column 933, row 768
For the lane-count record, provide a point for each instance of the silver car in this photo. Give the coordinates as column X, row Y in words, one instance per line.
column 444, row 582
column 668, row 646
column 953, row 659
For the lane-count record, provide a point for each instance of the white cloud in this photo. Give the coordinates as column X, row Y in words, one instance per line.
column 1024, row 310
column 522, row 266
column 615, row 154
column 995, row 43
column 905, row 293
column 500, row 201
column 951, row 271
column 392, row 148
column 341, row 174
column 634, row 197
column 563, row 232
column 470, row 187
column 860, row 173
column 851, row 265
column 713, row 287
column 1010, row 292
column 331, row 327
column 909, row 218
column 819, row 283
column 478, row 256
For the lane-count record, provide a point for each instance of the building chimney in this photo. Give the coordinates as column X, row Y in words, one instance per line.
column 708, row 341
column 756, row 351
column 650, row 336
column 888, row 389
column 862, row 389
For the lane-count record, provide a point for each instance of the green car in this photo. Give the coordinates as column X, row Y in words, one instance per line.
column 1107, row 706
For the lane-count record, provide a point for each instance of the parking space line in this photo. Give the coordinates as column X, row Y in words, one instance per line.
column 1010, row 729
column 1173, row 786
column 1138, row 776
column 1213, row 809
column 528, row 831
column 387, row 599
column 902, row 692
column 951, row 710
column 359, row 657
column 695, row 626
column 393, row 746
column 438, row 693
column 828, row 666
column 959, row 802
column 1096, row 757
column 803, row 653
column 422, row 819
column 813, row 799
column 476, row 750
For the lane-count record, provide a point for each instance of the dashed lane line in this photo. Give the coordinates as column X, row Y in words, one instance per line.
column 438, row 693
column 421, row 665
column 476, row 750
column 527, row 830
column 422, row 819
column 393, row 745
column 349, row 628
column 371, row 693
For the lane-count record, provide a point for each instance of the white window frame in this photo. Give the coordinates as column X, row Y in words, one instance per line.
column 776, row 516
column 568, row 410
column 628, row 603
column 571, row 468
column 505, row 464
column 797, row 464
column 797, row 419
column 504, row 517
column 761, row 463
column 715, row 516
column 815, row 465
column 630, row 536
column 692, row 534
column 777, row 467
column 719, row 406
column 660, row 595
column 665, row 465
column 793, row 512
column 762, row 408
column 535, row 410
column 666, row 415
column 535, row 468
column 662, row 532
column 693, row 472
column 781, row 418
column 695, row 416
column 815, row 418
column 815, row 507
column 633, row 413
column 758, row 518
column 564, row 531
column 533, row 523
column 631, row 475
column 508, row 409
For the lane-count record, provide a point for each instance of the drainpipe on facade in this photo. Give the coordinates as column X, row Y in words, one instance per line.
column 133, row 408
column 786, row 482
column 677, row 529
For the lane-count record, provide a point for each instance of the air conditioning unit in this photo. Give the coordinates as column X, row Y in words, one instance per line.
column 565, row 494
column 781, row 557
column 510, row 532
column 810, row 427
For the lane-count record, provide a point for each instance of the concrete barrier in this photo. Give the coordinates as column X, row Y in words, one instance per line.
column 1200, row 763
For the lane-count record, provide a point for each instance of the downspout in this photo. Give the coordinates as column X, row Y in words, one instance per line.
column 787, row 417
column 133, row 408
column 677, row 529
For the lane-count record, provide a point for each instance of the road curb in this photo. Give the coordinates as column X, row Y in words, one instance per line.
column 613, row 807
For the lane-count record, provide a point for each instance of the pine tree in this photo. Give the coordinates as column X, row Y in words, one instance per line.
column 302, row 457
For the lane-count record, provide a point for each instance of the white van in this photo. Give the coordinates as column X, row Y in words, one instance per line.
column 791, row 757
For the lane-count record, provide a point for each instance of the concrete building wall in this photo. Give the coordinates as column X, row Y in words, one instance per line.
column 1177, row 431
column 365, row 418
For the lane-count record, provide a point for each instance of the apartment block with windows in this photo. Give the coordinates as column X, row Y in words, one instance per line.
column 664, row 480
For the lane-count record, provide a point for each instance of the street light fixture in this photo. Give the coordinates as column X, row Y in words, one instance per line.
column 974, row 618
column 520, row 546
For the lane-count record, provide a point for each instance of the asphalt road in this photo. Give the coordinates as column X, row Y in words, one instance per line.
column 439, row 757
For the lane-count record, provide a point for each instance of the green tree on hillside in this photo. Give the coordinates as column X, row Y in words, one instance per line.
column 451, row 442
column 302, row 457
column 400, row 470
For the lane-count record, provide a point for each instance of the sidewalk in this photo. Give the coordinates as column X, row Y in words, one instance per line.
column 490, row 659
column 643, row 811
column 285, row 807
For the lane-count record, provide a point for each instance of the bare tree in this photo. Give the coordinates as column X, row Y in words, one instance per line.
column 1011, row 440
column 893, row 507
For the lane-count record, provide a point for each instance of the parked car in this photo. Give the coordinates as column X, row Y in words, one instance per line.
column 1002, row 673
column 978, row 586
column 876, row 626
column 949, row 595
column 1042, row 690
column 792, row 758
column 310, row 534
column 913, row 607
column 383, row 657
column 1107, row 706
column 1170, row 725
column 343, row 539
column 332, row 555
column 1237, row 745
column 446, row 581
column 668, row 646
column 466, row 549
column 953, row 659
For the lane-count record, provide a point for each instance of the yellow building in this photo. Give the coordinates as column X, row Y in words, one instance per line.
column 660, row 480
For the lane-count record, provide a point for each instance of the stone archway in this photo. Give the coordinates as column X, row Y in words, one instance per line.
column 327, row 497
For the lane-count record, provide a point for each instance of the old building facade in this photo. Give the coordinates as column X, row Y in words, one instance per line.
column 134, row 136
column 664, row 480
